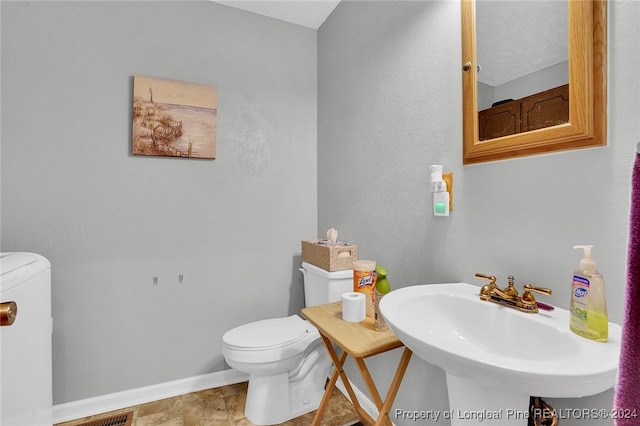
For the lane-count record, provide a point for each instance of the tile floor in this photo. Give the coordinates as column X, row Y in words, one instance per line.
column 223, row 406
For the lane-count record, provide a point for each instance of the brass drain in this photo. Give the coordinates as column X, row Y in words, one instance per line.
column 123, row 419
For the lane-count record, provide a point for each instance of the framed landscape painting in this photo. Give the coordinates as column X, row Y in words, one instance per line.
column 174, row 118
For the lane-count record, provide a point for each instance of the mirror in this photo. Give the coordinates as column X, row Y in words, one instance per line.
column 522, row 51
column 585, row 92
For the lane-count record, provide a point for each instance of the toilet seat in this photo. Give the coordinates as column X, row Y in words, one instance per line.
column 266, row 334
column 269, row 340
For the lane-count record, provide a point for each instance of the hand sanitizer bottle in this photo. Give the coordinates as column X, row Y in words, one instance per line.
column 588, row 311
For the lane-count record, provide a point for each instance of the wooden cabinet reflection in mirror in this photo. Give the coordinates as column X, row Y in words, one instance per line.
column 488, row 139
column 544, row 109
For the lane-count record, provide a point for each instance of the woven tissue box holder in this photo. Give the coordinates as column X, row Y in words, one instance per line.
column 330, row 256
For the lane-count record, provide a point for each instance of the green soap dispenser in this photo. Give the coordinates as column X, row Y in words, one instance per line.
column 588, row 311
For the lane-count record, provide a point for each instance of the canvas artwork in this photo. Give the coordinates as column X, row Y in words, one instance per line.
column 174, row 118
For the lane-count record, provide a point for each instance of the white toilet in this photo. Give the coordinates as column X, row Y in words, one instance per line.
column 285, row 357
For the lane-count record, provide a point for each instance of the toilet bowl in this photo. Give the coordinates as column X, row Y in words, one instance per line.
column 285, row 358
column 287, row 365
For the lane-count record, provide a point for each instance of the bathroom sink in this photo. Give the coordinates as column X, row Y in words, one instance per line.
column 496, row 357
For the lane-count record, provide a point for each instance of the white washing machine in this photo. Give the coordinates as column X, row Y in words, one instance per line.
column 25, row 340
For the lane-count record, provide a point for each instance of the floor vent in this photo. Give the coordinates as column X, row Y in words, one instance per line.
column 123, row 419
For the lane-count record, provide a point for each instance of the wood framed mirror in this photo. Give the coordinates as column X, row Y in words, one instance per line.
column 587, row 90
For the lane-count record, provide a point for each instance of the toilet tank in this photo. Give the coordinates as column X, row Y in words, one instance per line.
column 322, row 286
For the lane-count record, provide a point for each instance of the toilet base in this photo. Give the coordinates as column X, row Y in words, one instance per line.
column 273, row 399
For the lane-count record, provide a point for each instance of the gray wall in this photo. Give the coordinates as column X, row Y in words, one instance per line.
column 389, row 102
column 109, row 221
column 388, row 105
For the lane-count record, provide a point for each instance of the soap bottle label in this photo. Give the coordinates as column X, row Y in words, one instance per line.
column 579, row 306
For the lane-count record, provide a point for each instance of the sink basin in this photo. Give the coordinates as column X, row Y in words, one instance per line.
column 496, row 357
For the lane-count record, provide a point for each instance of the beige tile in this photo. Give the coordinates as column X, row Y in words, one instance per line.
column 222, row 406
column 166, row 412
column 340, row 411
column 238, row 388
column 235, row 406
column 304, row 420
column 205, row 408
column 171, row 405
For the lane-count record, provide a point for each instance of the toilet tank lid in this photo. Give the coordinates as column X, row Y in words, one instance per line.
column 335, row 275
column 265, row 334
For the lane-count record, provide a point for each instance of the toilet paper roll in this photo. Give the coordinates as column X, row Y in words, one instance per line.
column 353, row 307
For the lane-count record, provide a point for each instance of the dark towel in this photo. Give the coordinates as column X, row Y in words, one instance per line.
column 627, row 394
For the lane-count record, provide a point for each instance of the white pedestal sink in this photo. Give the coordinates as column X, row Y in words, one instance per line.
column 496, row 357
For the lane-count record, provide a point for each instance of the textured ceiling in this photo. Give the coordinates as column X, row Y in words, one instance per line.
column 516, row 38
column 308, row 13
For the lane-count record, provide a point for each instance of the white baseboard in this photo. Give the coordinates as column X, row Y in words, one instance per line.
column 129, row 398
column 115, row 401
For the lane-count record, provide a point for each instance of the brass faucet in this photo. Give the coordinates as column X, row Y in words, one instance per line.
column 509, row 295
column 485, row 291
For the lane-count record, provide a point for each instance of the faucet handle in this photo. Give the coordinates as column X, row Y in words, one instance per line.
column 485, row 291
column 528, row 288
column 492, row 279
column 529, row 300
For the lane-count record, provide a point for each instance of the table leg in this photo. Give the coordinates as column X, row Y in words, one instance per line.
column 364, row 372
column 393, row 389
column 338, row 371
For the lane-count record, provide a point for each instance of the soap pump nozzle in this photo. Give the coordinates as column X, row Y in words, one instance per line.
column 437, row 183
column 586, row 263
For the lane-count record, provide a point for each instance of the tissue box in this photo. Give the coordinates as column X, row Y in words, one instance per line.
column 329, row 256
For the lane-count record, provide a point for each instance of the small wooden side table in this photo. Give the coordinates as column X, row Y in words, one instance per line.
column 360, row 340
